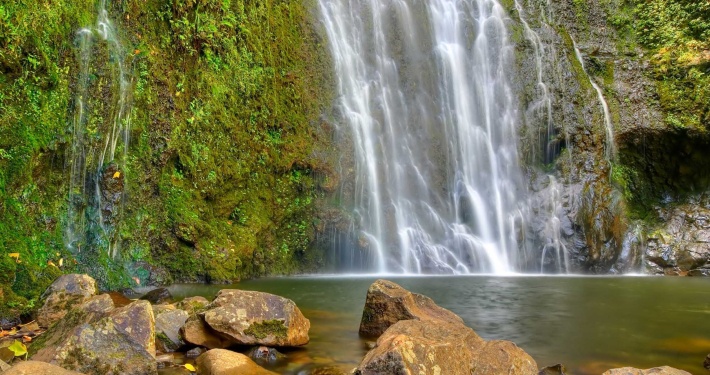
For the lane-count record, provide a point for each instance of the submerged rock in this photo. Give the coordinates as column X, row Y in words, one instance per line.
column 557, row 369
column 665, row 370
column 706, row 364
column 264, row 355
column 37, row 368
column 64, row 293
column 167, row 330
column 158, row 296
column 387, row 303
column 225, row 362
column 256, row 318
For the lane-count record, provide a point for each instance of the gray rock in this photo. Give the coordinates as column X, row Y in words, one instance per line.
column 167, row 330
column 195, row 352
column 3, row 366
column 264, row 355
column 64, row 293
column 37, row 368
column 225, row 362
column 665, row 370
column 387, row 303
column 256, row 318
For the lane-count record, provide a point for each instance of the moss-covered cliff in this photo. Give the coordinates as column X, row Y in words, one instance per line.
column 228, row 152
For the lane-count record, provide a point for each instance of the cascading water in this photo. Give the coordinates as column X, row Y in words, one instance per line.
column 100, row 137
column 424, row 87
column 608, row 125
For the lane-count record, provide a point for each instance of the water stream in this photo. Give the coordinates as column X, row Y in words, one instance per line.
column 424, row 89
column 100, row 136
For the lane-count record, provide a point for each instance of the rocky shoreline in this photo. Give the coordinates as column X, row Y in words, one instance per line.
column 242, row 332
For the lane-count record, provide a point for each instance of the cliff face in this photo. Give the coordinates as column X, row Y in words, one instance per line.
column 642, row 206
column 228, row 155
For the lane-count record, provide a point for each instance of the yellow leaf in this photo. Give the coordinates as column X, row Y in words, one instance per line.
column 18, row 348
column 117, row 175
column 190, row 367
column 50, row 263
column 61, row 262
column 14, row 255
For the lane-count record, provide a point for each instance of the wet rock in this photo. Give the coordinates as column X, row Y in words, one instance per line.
column 112, row 184
column 437, row 347
column 256, row 318
column 121, row 341
column 706, row 364
column 327, row 371
column 197, row 332
column 167, row 330
column 37, row 368
column 665, row 370
column 119, row 299
column 264, row 355
column 193, row 304
column 225, row 362
column 557, row 369
column 64, row 293
column 157, row 276
column 8, row 322
column 387, row 303
column 158, row 296
column 195, row 352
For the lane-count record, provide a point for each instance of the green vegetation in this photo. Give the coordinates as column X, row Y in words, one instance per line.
column 226, row 129
column 677, row 33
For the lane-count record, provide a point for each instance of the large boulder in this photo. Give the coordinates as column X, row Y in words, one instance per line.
column 665, row 370
column 437, row 347
column 256, row 318
column 195, row 331
column 225, row 362
column 95, row 341
column 387, row 303
column 167, row 330
column 64, row 293
column 37, row 368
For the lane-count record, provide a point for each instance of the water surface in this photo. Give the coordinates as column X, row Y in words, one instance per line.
column 589, row 324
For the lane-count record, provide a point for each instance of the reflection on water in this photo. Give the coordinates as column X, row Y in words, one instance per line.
column 588, row 324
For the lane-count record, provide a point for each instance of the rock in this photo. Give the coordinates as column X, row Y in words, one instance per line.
column 665, row 370
column 387, row 303
column 225, row 362
column 706, row 364
column 119, row 299
column 193, row 304
column 4, row 366
column 64, row 293
column 256, row 318
column 167, row 330
column 197, row 332
column 264, row 355
column 121, row 341
column 437, row 347
column 37, row 368
column 557, row 369
column 8, row 322
column 195, row 352
column 158, row 296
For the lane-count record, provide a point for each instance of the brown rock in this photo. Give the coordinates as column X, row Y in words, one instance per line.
column 37, row 368
column 256, row 318
column 665, row 370
column 3, row 366
column 387, row 303
column 64, row 293
column 196, row 332
column 225, row 362
column 437, row 347
column 158, row 296
column 557, row 369
column 706, row 364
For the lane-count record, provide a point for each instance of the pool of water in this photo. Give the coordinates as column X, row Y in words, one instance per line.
column 589, row 324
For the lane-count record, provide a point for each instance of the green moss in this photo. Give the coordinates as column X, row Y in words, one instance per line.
column 267, row 328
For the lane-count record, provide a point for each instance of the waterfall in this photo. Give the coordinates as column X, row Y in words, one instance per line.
column 424, row 87
column 610, row 149
column 100, row 137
